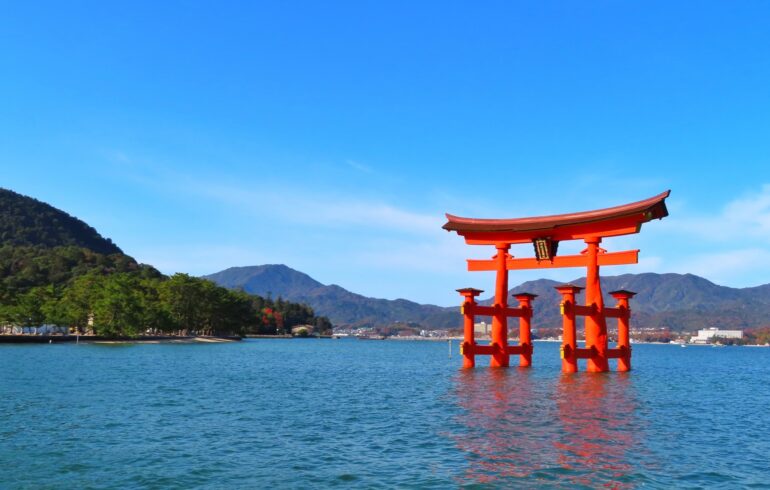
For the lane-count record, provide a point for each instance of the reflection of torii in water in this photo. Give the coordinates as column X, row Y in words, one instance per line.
column 545, row 233
column 582, row 431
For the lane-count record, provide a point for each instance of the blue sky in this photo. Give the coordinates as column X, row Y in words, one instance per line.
column 332, row 136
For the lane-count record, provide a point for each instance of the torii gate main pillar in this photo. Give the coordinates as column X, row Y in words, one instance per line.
column 499, row 337
column 596, row 325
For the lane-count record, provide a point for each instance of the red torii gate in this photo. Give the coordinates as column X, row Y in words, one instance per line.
column 545, row 233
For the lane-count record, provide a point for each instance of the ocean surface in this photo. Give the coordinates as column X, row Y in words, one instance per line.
column 377, row 414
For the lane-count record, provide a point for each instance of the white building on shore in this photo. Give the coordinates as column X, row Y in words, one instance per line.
column 705, row 335
column 481, row 329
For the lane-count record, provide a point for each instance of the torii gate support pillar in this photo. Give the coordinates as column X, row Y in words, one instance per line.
column 525, row 328
column 624, row 341
column 569, row 359
column 468, row 347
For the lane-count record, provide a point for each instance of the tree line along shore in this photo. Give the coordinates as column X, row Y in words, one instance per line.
column 74, row 290
column 59, row 275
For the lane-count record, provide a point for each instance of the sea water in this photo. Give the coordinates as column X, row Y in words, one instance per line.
column 377, row 414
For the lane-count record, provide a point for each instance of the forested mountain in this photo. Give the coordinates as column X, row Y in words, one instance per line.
column 24, row 267
column 675, row 301
column 44, row 246
column 340, row 305
column 25, row 221
column 57, row 270
column 272, row 280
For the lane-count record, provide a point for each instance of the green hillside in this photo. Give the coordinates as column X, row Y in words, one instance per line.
column 55, row 270
column 25, row 221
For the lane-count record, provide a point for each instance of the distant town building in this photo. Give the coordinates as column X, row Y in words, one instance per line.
column 705, row 335
column 481, row 328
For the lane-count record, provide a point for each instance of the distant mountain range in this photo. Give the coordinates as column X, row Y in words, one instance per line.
column 340, row 305
column 675, row 301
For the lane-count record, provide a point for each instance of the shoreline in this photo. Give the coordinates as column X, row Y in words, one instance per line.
column 101, row 339
column 460, row 339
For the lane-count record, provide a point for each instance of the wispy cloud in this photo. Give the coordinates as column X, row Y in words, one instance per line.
column 727, row 267
column 117, row 157
column 311, row 209
column 750, row 215
column 441, row 253
column 745, row 217
column 730, row 247
column 359, row 166
column 292, row 203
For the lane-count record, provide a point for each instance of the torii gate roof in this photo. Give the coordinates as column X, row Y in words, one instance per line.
column 619, row 220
